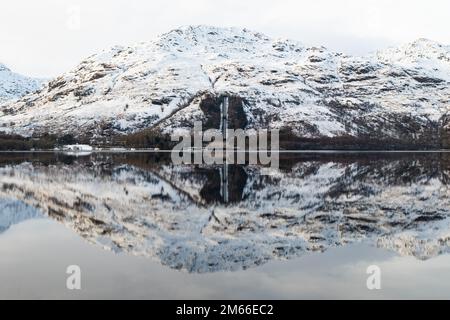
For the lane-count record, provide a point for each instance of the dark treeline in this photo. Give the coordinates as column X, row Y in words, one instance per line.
column 150, row 138
column 145, row 139
column 44, row 142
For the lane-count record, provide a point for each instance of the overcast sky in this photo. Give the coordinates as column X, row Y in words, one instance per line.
column 47, row 37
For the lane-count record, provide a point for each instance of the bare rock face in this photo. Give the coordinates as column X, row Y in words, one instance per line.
column 445, row 131
column 395, row 98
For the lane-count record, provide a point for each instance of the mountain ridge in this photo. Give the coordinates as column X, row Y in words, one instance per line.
column 397, row 97
column 14, row 86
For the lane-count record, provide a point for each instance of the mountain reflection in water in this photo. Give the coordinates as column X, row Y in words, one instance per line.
column 191, row 218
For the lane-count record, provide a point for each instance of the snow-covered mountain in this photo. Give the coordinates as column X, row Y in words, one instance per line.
column 14, row 86
column 175, row 215
column 398, row 96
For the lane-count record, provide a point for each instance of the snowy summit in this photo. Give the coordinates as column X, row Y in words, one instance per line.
column 396, row 97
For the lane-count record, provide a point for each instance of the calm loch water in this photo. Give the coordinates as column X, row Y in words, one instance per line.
column 140, row 227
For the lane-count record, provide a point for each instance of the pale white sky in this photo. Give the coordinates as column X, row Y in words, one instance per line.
column 45, row 38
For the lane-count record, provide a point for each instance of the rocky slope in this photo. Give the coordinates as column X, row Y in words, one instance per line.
column 394, row 98
column 14, row 86
column 177, row 216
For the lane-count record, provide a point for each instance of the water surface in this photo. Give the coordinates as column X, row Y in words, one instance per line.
column 140, row 227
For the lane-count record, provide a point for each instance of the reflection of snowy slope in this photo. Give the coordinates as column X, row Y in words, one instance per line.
column 161, row 212
column 13, row 212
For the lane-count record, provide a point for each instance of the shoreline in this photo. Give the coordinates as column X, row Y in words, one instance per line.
column 327, row 151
